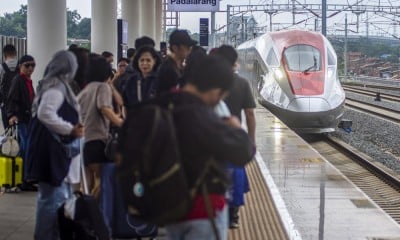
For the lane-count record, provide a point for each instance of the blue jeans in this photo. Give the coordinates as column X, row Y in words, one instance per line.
column 22, row 140
column 22, row 137
column 107, row 193
column 200, row 229
column 50, row 198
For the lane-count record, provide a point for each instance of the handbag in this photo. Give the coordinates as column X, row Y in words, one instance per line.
column 9, row 143
column 70, row 145
column 111, row 145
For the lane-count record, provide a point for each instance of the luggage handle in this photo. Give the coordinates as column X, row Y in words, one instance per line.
column 11, row 131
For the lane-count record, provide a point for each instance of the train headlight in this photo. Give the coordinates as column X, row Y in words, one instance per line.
column 278, row 73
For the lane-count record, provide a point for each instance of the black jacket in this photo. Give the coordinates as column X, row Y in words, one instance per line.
column 18, row 102
column 203, row 135
column 120, row 82
column 46, row 159
column 169, row 76
column 147, row 85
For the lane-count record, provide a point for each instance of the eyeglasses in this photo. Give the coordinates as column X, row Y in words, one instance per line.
column 27, row 65
column 122, row 65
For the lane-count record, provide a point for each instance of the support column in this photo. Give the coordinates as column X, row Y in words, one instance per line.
column 212, row 30
column 104, row 26
column 131, row 13
column 323, row 27
column 158, row 19
column 46, row 32
column 148, row 18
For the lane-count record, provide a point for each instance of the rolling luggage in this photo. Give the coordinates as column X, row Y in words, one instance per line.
column 122, row 224
column 79, row 218
column 10, row 172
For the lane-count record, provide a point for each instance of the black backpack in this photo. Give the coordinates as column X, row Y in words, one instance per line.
column 152, row 178
column 5, row 83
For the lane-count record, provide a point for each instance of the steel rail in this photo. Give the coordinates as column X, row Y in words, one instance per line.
column 387, row 96
column 386, row 113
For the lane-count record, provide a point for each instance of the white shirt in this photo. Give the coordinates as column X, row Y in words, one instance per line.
column 222, row 110
column 50, row 102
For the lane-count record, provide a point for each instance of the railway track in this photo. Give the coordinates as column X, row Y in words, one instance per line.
column 386, row 96
column 368, row 85
column 381, row 184
column 386, row 113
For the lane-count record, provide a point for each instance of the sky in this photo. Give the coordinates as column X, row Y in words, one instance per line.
column 190, row 21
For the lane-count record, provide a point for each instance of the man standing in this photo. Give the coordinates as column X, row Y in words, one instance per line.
column 171, row 71
column 8, row 70
column 239, row 98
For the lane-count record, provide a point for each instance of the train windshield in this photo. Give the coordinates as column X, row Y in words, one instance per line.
column 303, row 58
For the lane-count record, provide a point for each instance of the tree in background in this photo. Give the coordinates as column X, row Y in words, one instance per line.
column 83, row 29
column 14, row 24
column 73, row 19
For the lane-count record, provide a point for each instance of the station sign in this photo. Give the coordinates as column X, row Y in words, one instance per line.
column 203, row 32
column 193, row 5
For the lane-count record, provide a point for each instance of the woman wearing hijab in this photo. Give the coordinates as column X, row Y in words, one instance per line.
column 55, row 121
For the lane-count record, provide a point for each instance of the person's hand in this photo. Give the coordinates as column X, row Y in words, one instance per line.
column 233, row 122
column 77, row 131
column 13, row 120
column 120, row 121
column 118, row 159
column 112, row 80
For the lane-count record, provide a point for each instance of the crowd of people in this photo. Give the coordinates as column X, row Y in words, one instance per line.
column 82, row 98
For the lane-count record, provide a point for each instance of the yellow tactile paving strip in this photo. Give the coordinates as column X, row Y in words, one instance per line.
column 259, row 219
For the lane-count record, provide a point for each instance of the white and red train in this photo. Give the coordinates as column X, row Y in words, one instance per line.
column 293, row 73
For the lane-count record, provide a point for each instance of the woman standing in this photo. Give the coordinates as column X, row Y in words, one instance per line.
column 97, row 113
column 142, row 86
column 55, row 112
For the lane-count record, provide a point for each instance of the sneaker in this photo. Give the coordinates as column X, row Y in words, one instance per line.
column 28, row 187
column 233, row 225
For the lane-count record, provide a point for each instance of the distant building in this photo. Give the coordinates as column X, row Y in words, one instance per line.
column 242, row 28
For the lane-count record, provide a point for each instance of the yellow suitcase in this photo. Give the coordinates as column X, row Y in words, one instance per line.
column 10, row 172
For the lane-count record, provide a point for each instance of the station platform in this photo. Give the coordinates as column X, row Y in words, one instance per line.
column 295, row 194
column 314, row 200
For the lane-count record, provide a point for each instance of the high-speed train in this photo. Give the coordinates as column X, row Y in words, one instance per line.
column 293, row 74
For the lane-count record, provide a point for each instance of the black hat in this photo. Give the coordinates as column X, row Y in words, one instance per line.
column 181, row 37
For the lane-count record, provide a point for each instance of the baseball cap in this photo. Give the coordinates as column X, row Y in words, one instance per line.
column 181, row 37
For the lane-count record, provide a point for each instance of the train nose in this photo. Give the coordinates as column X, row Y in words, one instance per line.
column 308, row 104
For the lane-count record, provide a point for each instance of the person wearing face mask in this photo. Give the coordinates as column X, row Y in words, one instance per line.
column 142, row 86
column 8, row 70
